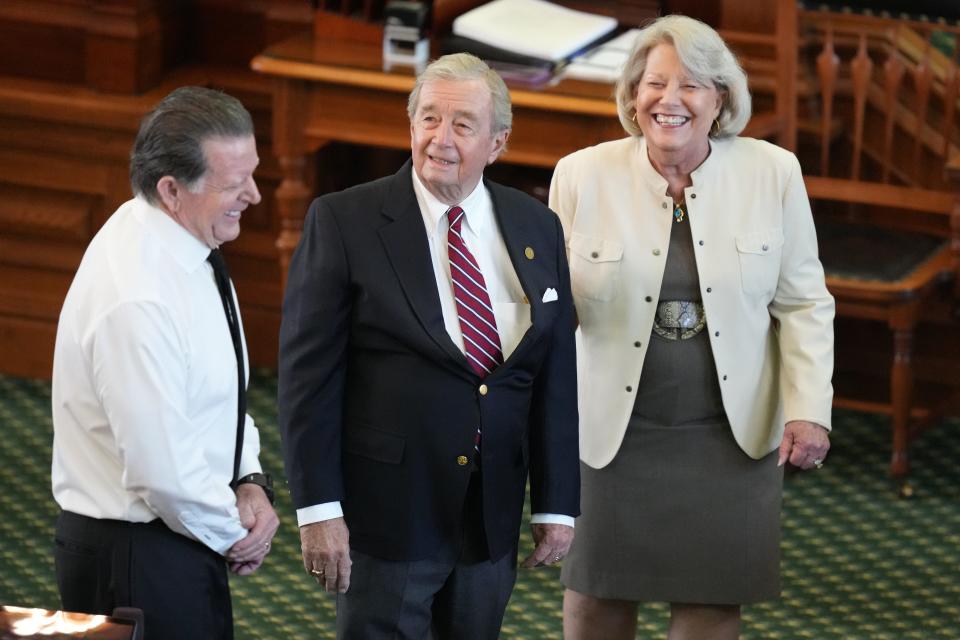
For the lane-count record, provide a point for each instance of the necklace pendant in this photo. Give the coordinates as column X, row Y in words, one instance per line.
column 678, row 213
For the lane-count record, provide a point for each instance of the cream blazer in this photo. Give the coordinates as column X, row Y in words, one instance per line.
column 769, row 315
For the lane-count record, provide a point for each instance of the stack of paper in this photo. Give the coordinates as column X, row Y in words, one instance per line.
column 533, row 28
column 605, row 62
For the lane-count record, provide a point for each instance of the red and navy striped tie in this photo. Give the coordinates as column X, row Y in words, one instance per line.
column 481, row 340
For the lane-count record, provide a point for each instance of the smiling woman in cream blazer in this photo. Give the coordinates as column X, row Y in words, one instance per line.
column 705, row 345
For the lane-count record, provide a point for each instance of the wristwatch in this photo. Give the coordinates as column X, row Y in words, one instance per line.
column 262, row 480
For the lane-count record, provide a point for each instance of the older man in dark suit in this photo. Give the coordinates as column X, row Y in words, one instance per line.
column 427, row 367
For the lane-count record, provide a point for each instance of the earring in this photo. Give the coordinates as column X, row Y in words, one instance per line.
column 634, row 118
column 716, row 124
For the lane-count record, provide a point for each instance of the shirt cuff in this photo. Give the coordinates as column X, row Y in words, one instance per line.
column 319, row 513
column 551, row 518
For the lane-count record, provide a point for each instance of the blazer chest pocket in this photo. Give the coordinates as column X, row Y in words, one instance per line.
column 374, row 444
column 760, row 254
column 595, row 267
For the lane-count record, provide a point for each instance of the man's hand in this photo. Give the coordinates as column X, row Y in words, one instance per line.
column 553, row 543
column 805, row 444
column 259, row 518
column 326, row 553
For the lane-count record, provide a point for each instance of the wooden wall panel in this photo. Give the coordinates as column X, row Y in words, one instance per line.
column 64, row 170
column 45, row 213
column 121, row 46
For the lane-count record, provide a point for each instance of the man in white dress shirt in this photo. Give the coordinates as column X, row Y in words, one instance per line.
column 146, row 387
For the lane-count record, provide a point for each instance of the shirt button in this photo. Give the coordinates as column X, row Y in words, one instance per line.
column 709, row 289
column 693, row 196
column 664, row 205
column 717, row 334
column 462, row 460
column 648, row 299
column 594, row 255
column 765, row 247
column 483, row 389
column 700, row 243
column 656, row 252
column 629, row 388
column 637, row 344
column 724, row 377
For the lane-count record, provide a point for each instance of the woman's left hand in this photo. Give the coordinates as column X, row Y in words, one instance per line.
column 805, row 444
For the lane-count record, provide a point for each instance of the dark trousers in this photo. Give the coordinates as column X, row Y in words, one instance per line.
column 459, row 594
column 180, row 584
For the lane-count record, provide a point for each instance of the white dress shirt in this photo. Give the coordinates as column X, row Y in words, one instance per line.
column 145, row 384
column 481, row 234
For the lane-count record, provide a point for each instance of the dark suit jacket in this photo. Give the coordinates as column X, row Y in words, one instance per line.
column 378, row 407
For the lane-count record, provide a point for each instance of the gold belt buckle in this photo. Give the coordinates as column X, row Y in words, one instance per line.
column 679, row 319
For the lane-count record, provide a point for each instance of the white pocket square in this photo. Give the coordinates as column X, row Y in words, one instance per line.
column 550, row 295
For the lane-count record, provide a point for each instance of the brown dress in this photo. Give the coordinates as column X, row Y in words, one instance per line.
column 681, row 514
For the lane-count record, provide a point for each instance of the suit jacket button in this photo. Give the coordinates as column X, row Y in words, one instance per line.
column 483, row 389
column 528, row 252
column 462, row 460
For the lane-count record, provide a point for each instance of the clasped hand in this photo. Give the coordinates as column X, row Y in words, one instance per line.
column 260, row 520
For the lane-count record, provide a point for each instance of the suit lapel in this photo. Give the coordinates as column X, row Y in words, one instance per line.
column 517, row 238
column 405, row 242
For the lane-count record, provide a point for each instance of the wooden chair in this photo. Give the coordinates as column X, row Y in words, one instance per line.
column 875, row 139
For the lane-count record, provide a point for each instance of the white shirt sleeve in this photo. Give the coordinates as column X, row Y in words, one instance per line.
column 319, row 513
column 139, row 360
column 551, row 518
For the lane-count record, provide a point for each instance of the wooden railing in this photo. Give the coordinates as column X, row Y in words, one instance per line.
column 881, row 129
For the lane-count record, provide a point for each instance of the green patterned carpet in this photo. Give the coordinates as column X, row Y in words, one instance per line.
column 857, row 561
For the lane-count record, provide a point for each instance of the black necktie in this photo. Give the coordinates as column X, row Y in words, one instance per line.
column 222, row 276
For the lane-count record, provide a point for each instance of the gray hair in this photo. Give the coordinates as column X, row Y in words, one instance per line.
column 170, row 139
column 461, row 67
column 705, row 55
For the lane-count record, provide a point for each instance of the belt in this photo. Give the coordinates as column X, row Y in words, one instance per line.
column 679, row 319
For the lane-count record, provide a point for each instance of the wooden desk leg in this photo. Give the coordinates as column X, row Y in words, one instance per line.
column 953, row 175
column 289, row 143
column 292, row 197
column 901, row 392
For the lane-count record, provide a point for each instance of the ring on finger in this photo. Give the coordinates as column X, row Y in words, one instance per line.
column 317, row 573
column 818, row 463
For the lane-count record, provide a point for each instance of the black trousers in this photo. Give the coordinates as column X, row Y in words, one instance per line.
column 180, row 584
column 458, row 594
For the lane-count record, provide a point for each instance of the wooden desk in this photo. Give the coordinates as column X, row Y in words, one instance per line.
column 340, row 93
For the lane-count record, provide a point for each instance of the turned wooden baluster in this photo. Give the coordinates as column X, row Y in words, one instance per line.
column 827, row 65
column 861, row 68
column 922, row 82
column 950, row 95
column 893, row 71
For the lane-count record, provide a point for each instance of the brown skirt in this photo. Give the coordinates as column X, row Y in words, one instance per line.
column 680, row 515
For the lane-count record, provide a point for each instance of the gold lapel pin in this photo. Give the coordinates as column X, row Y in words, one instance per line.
column 528, row 252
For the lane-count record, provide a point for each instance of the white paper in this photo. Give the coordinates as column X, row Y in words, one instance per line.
column 533, row 27
column 605, row 62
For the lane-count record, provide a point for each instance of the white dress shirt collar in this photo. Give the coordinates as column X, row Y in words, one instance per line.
column 189, row 252
column 475, row 205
